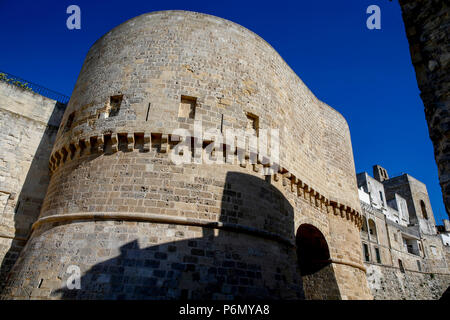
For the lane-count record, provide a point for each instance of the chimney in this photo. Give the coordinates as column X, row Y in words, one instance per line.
column 380, row 173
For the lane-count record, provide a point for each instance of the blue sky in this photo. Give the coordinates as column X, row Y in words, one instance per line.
column 366, row 75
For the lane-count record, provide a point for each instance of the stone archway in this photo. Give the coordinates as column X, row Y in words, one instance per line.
column 319, row 281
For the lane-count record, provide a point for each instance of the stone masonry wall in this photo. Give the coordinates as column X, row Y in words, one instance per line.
column 204, row 230
column 389, row 283
column 28, row 127
column 427, row 29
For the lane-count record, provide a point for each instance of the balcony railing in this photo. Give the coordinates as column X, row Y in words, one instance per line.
column 27, row 85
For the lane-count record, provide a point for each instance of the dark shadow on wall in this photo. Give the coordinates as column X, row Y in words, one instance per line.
column 30, row 198
column 219, row 265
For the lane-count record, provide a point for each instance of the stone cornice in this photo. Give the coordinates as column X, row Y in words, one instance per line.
column 160, row 218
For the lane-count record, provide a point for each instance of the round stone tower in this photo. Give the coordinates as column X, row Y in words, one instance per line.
column 135, row 224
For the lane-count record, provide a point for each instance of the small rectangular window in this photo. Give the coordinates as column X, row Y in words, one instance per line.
column 377, row 253
column 187, row 107
column 400, row 265
column 366, row 252
column 114, row 104
column 252, row 122
column 419, row 266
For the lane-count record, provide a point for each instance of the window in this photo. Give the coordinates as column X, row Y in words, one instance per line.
column 252, row 122
column 381, row 198
column 409, row 248
column 377, row 253
column 400, row 265
column 424, row 209
column 373, row 229
column 187, row 107
column 114, row 104
column 418, row 266
column 366, row 252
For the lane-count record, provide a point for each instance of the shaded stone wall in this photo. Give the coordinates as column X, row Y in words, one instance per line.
column 225, row 222
column 28, row 127
column 427, row 29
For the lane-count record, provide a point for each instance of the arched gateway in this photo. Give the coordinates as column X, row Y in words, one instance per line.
column 313, row 254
